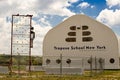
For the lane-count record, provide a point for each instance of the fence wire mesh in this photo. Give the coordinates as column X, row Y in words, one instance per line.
column 62, row 63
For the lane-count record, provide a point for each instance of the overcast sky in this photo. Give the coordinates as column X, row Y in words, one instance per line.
column 48, row 13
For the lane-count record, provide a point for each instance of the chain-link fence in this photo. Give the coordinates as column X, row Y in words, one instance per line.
column 73, row 64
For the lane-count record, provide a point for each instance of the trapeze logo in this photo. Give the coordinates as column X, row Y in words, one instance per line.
column 85, row 34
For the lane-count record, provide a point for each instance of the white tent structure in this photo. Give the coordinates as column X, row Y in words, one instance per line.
column 75, row 41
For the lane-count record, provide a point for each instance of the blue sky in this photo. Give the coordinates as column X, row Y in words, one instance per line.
column 49, row 13
column 93, row 12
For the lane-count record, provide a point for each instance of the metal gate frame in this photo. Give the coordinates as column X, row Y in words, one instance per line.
column 30, row 39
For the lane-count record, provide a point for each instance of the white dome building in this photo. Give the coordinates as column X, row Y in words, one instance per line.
column 77, row 40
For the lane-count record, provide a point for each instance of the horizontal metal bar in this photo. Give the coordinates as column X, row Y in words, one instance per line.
column 22, row 15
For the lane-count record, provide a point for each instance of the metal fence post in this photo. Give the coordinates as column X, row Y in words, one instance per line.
column 61, row 64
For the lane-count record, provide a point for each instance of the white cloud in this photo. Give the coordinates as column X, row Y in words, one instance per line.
column 112, row 3
column 40, row 32
column 5, row 36
column 110, row 17
column 44, row 21
column 7, row 7
column 58, row 7
column 53, row 7
column 84, row 5
column 73, row 1
column 92, row 6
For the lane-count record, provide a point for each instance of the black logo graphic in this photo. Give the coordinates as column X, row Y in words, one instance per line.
column 85, row 34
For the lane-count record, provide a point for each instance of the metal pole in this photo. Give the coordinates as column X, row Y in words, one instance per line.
column 11, row 45
column 61, row 64
column 82, row 62
column 30, row 44
column 18, row 64
column 95, row 64
column 91, row 67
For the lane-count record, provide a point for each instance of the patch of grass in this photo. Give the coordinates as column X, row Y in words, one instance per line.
column 106, row 75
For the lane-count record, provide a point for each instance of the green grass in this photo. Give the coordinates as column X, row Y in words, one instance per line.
column 106, row 75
